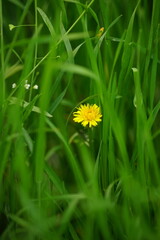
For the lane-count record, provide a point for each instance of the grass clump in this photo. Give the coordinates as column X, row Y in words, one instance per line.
column 96, row 62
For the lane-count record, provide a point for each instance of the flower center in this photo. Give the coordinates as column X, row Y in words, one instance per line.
column 90, row 115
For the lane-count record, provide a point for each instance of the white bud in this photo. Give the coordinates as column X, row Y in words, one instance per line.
column 35, row 87
column 11, row 26
column 27, row 86
column 14, row 85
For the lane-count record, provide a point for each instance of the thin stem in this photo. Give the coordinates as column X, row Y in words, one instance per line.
column 80, row 16
column 37, row 65
column 2, row 95
column 36, row 49
column 8, row 54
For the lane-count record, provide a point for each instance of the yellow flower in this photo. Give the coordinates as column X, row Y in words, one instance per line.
column 88, row 115
column 100, row 32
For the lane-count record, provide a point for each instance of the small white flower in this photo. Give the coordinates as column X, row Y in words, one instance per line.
column 35, row 87
column 27, row 86
column 14, row 85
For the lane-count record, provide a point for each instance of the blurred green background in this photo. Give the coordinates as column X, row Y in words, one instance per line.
column 59, row 180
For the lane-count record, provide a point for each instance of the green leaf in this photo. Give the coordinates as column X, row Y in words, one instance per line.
column 55, row 179
column 47, row 21
column 28, row 139
column 24, row 104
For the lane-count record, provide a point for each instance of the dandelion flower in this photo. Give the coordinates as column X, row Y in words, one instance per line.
column 87, row 115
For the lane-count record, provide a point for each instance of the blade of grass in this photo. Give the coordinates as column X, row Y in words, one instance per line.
column 72, row 161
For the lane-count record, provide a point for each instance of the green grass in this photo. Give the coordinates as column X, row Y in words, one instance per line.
column 59, row 180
